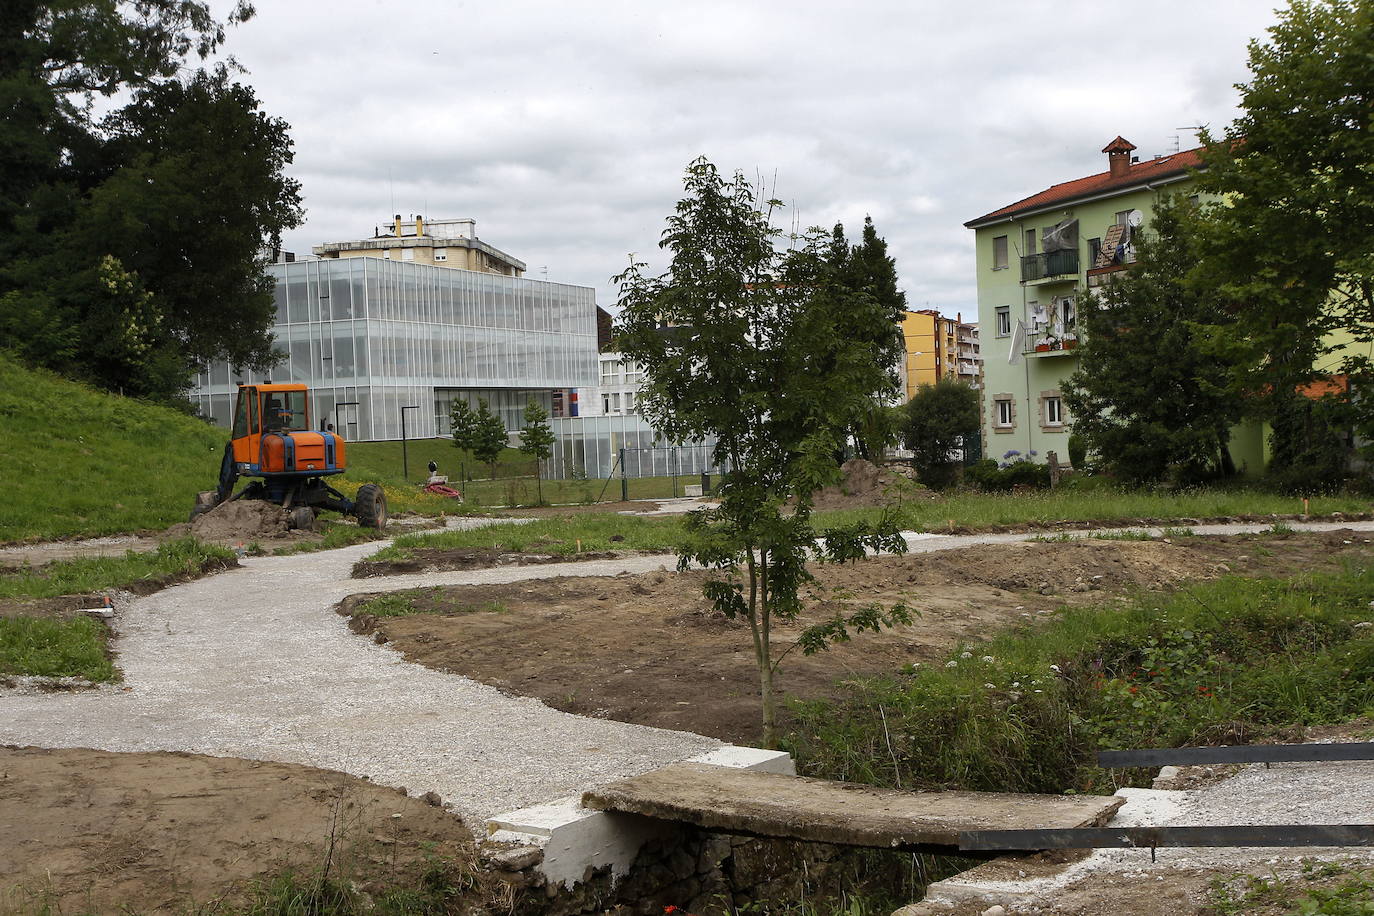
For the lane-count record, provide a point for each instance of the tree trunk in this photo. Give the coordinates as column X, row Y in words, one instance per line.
column 765, row 657
column 1228, row 464
column 538, row 482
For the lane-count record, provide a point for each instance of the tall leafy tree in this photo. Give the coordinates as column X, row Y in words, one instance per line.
column 174, row 195
column 536, row 440
column 1152, row 394
column 1292, row 238
column 935, row 422
column 760, row 357
column 877, row 307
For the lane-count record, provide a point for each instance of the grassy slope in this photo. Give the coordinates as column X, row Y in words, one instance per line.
column 77, row 461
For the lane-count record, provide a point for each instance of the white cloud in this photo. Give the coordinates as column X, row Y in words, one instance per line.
column 563, row 129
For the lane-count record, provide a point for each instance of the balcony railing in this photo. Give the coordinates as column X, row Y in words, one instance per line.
column 1049, row 264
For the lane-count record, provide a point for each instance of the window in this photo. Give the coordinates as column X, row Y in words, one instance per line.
column 386, row 253
column 407, row 254
column 606, row 404
column 441, row 254
column 999, row 253
column 1030, row 241
column 1054, row 412
column 1006, row 416
column 1123, row 217
column 1003, row 321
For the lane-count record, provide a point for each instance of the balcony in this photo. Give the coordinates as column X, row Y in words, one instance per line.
column 1055, row 346
column 1050, row 266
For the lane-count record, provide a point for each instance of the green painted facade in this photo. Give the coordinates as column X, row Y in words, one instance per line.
column 1041, row 292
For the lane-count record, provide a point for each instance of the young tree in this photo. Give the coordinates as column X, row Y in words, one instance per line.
column 488, row 435
column 752, row 346
column 936, row 420
column 462, row 422
column 536, row 440
column 1152, row 395
column 1291, row 236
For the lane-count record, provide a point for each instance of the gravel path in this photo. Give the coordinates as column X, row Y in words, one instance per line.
column 254, row 663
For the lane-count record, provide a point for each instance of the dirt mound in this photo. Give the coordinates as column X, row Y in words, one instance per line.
column 864, row 483
column 244, row 519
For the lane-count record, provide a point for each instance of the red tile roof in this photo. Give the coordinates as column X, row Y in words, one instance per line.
column 1101, row 183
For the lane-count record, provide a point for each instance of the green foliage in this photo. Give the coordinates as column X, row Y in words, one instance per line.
column 768, row 363
column 866, row 270
column 80, row 575
column 462, row 421
column 103, row 275
column 1322, row 889
column 402, row 604
column 43, row 647
column 1015, row 471
column 936, row 420
column 488, row 435
column 1149, row 397
column 1291, row 233
column 536, row 440
column 1222, row 662
column 1078, row 452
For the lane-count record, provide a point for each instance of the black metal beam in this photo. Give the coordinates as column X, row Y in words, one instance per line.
column 1250, row 753
column 1151, row 837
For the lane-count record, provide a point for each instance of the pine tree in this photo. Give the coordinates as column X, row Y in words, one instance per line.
column 536, row 440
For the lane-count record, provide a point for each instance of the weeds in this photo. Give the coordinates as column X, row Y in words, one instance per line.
column 184, row 557
column 1221, row 662
column 401, row 604
column 336, row 534
column 1325, row 888
column 562, row 536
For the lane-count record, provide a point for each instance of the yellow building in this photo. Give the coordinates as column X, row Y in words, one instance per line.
column 937, row 347
column 438, row 242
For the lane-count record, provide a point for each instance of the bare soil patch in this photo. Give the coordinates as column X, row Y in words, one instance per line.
column 863, row 483
column 94, row 831
column 648, row 649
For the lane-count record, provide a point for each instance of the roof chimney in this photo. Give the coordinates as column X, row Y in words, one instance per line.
column 1119, row 156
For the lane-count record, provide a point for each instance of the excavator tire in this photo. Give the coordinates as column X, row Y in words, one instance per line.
column 370, row 506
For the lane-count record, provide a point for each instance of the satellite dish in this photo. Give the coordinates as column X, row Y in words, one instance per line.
column 1135, row 218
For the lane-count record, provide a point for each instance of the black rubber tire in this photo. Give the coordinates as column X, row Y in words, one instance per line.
column 302, row 518
column 370, row 506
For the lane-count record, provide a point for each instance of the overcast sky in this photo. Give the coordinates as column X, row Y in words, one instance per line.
column 563, row 128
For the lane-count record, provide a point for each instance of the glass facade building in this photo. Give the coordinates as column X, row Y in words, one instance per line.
column 371, row 336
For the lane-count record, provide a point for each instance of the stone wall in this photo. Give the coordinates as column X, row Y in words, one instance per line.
column 694, row 870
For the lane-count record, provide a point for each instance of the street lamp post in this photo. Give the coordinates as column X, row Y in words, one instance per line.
column 405, row 457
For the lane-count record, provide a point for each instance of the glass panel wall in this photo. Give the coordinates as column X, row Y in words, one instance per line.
column 396, row 334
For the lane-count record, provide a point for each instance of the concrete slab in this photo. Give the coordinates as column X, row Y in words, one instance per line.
column 775, row 805
column 576, row 840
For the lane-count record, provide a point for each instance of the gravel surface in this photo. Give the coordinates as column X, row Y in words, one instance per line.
column 1287, row 793
column 254, row 663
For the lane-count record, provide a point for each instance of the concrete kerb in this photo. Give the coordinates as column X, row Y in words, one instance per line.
column 577, row 841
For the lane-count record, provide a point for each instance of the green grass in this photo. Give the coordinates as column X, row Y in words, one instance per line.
column 596, row 531
column 54, row 648
column 1221, row 662
column 1107, row 504
column 77, row 461
column 402, row 604
column 93, row 574
column 336, row 534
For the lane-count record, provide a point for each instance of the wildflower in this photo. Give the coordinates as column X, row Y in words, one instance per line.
column 1039, row 691
column 1134, row 689
column 1054, row 668
column 1016, row 683
column 990, row 686
column 988, row 659
column 951, row 664
column 966, row 655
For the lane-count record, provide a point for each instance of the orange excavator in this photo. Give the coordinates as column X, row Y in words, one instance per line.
column 274, row 441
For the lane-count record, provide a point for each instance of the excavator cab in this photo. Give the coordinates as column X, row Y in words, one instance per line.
column 272, row 440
